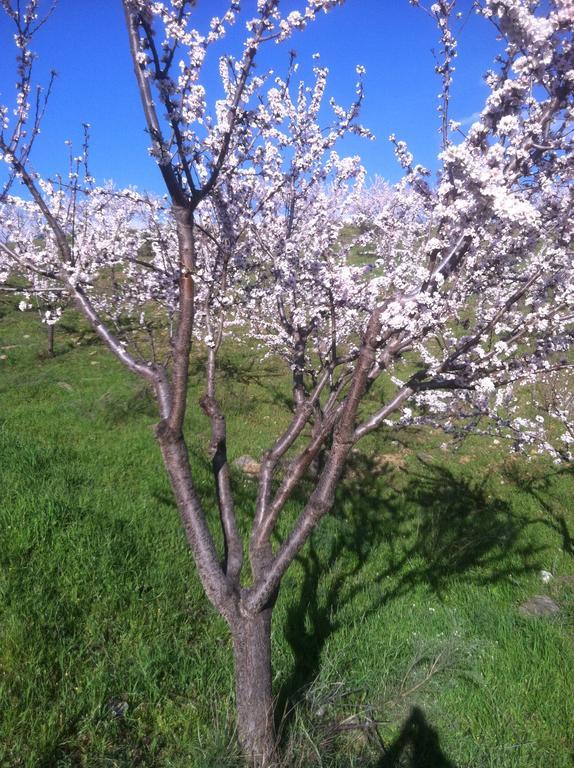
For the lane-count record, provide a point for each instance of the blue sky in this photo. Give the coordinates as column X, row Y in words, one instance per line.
column 86, row 42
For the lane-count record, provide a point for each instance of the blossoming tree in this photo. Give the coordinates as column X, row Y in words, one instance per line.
column 473, row 276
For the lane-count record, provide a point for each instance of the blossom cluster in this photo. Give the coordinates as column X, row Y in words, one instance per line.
column 462, row 291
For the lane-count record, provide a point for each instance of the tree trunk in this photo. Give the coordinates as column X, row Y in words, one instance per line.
column 254, row 698
column 50, row 340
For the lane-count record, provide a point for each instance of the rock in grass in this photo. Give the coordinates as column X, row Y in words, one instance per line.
column 248, row 465
column 539, row 605
column 118, row 708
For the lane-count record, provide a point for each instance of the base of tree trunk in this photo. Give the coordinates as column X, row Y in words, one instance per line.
column 254, row 698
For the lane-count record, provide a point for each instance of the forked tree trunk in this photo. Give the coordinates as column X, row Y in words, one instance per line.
column 254, row 698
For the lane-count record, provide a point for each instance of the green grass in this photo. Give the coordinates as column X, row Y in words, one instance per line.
column 402, row 611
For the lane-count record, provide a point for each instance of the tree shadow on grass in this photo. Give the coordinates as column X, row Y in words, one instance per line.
column 340, row 548
column 461, row 529
column 416, row 746
column 432, row 526
column 436, row 527
column 75, row 333
column 121, row 408
column 268, row 377
column 539, row 487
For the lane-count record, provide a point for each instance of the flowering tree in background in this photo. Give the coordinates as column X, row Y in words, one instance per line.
column 473, row 276
column 43, row 296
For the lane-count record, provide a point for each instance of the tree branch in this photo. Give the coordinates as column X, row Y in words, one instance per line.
column 322, row 498
column 172, row 183
column 233, row 558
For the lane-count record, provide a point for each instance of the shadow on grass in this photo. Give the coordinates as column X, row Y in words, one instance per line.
column 461, row 529
column 436, row 526
column 417, row 746
column 540, row 489
column 119, row 408
column 267, row 378
column 342, row 550
column 76, row 334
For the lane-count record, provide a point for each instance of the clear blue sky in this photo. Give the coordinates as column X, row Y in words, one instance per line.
column 85, row 41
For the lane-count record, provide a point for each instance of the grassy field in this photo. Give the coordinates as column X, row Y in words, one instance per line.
column 403, row 610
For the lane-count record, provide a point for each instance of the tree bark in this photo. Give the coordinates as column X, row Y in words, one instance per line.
column 50, row 340
column 253, row 692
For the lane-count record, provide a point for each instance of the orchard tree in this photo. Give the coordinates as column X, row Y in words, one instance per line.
column 472, row 276
column 42, row 296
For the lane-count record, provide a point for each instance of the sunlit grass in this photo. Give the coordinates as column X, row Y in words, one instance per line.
column 401, row 613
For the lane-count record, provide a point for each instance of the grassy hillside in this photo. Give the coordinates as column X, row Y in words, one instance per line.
column 397, row 637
